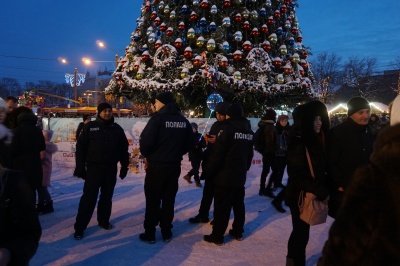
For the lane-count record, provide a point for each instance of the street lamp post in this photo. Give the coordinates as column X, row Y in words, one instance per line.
column 102, row 44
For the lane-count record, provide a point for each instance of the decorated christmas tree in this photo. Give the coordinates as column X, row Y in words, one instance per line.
column 248, row 51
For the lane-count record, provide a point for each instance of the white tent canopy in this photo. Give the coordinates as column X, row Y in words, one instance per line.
column 376, row 107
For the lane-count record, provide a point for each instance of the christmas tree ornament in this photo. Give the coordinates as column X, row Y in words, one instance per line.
column 264, row 28
column 227, row 3
column 303, row 64
column 184, row 9
column 237, row 75
column 238, row 36
column 212, row 27
column 135, row 67
column 273, row 38
column 246, row 25
column 295, row 58
column 237, row 55
column 140, row 22
column 157, row 21
column 254, row 32
column 184, row 73
column 245, row 14
column 198, row 61
column 188, row 53
column 211, row 45
column 161, row 5
column 145, row 56
column 181, row 26
column 203, row 22
column 194, row 16
column 172, row 15
column 299, row 38
column 200, row 41
column 263, row 12
column 178, row 43
column 254, row 15
column 226, row 22
column 291, row 41
column 204, row 4
column 140, row 74
column 224, row 62
column 279, row 31
column 147, row 7
column 304, row 55
column 277, row 62
column 283, row 9
column 238, row 17
column 153, row 15
column 167, row 10
column 214, row 10
column 152, row 38
column 294, row 31
column 280, row 79
column 191, row 34
column 288, row 25
column 266, row 46
column 283, row 49
column 158, row 44
column 268, row 3
column 163, row 27
column 247, row 46
column 213, row 100
column 195, row 2
column 277, row 14
column 149, row 31
column 287, row 69
column 225, row 46
column 270, row 21
column 301, row 71
column 169, row 31
column 136, row 37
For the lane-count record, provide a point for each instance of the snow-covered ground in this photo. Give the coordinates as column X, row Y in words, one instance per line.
column 264, row 243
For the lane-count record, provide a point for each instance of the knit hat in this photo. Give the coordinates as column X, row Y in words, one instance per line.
column 3, row 104
column 283, row 117
column 221, row 108
column 47, row 134
column 195, row 126
column 356, row 104
column 103, row 106
column 165, row 97
column 270, row 114
column 234, row 110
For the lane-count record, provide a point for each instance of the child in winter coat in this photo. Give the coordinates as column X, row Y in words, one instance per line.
column 195, row 156
column 45, row 203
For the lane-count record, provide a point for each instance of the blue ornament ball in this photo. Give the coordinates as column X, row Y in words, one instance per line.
column 212, row 101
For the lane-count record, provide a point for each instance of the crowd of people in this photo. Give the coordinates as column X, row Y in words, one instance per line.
column 354, row 164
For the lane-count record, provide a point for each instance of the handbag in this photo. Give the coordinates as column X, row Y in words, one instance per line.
column 312, row 211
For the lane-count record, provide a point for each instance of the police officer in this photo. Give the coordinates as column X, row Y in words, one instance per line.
column 100, row 146
column 165, row 139
column 230, row 161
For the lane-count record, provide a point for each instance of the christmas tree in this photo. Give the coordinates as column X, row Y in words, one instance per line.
column 248, row 51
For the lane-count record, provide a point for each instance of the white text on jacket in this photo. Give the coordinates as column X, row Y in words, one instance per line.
column 175, row 124
column 243, row 136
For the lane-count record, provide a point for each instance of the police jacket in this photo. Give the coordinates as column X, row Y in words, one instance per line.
column 232, row 154
column 167, row 136
column 102, row 142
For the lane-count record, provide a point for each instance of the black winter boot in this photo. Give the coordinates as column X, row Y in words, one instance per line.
column 148, row 236
column 47, row 208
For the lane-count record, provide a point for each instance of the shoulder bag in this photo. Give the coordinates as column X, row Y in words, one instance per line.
column 312, row 211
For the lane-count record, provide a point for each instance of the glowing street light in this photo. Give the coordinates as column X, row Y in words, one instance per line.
column 75, row 79
column 102, row 44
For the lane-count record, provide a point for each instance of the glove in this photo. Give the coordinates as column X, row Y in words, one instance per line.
column 123, row 172
column 80, row 172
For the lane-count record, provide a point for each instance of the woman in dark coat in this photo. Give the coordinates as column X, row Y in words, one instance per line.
column 311, row 123
column 366, row 230
column 26, row 145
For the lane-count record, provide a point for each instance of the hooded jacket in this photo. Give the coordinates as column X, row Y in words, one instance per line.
column 269, row 134
column 232, row 154
column 25, row 148
column 302, row 137
column 167, row 136
column 366, row 230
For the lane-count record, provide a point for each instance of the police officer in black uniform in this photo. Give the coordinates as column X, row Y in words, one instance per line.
column 165, row 139
column 100, row 146
column 230, row 161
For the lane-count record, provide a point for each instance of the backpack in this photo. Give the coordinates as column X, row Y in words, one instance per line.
column 259, row 140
